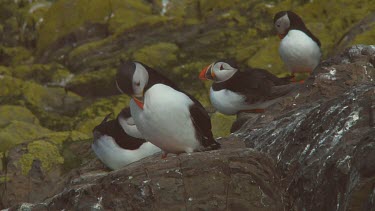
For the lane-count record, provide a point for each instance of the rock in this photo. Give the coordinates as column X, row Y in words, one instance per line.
column 323, row 141
column 224, row 179
column 94, row 84
column 40, row 163
column 8, row 113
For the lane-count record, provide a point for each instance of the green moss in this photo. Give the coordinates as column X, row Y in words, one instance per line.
column 127, row 14
column 87, row 48
column 59, row 138
column 44, row 151
column 4, row 70
column 157, row 55
column 4, row 179
column 94, row 83
column 43, row 73
column 267, row 57
column 95, row 113
column 10, row 89
column 66, row 16
column 15, row 55
column 221, row 124
column 9, row 113
column 88, row 125
column 366, row 38
column 17, row 132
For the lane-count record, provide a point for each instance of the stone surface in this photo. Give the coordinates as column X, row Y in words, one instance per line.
column 324, row 140
column 218, row 180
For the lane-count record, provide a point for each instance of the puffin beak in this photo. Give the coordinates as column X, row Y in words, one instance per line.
column 281, row 36
column 204, row 76
column 139, row 101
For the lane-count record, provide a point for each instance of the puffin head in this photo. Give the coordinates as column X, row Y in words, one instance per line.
column 286, row 20
column 219, row 71
column 282, row 23
column 131, row 79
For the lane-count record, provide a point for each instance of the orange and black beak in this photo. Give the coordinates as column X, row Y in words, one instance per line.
column 138, row 101
column 207, row 73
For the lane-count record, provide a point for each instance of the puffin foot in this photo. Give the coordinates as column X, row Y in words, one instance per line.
column 164, row 155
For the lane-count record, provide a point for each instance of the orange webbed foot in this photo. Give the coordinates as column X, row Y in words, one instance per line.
column 164, row 155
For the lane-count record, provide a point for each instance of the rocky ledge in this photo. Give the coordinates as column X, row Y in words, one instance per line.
column 313, row 151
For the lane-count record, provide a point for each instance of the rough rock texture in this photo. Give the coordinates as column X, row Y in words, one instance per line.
column 234, row 179
column 325, row 145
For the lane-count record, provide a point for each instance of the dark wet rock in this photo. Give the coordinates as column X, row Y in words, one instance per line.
column 226, row 179
column 324, row 139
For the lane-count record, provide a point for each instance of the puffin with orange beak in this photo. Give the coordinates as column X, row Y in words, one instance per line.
column 299, row 48
column 251, row 90
column 166, row 116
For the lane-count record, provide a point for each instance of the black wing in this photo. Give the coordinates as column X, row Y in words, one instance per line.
column 202, row 124
column 255, row 84
column 297, row 23
column 113, row 128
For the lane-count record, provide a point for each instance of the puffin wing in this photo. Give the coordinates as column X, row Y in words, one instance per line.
column 253, row 85
column 202, row 124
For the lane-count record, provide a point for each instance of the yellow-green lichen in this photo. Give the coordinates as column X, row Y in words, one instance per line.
column 44, row 151
column 4, row 179
column 157, row 55
column 59, row 138
column 18, row 132
column 221, row 124
column 8, row 113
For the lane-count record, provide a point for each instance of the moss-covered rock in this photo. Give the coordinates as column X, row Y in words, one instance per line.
column 17, row 132
column 97, row 83
column 54, row 74
column 44, row 151
column 4, row 70
column 15, row 55
column 92, row 115
column 47, row 103
column 157, row 55
column 8, row 113
column 221, row 124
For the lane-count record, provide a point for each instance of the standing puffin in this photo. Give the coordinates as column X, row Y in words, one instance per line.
column 115, row 148
column 252, row 90
column 166, row 116
column 299, row 48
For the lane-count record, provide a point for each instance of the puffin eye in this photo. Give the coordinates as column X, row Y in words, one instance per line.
column 137, row 83
column 221, row 67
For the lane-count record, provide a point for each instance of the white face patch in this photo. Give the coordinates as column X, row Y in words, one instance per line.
column 223, row 71
column 282, row 24
column 140, row 79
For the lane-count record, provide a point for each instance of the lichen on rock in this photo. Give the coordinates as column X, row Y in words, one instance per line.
column 46, row 152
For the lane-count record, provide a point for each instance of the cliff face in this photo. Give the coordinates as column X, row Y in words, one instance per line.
column 57, row 69
column 313, row 151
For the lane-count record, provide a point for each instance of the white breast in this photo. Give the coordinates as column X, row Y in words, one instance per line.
column 299, row 52
column 226, row 101
column 115, row 157
column 165, row 119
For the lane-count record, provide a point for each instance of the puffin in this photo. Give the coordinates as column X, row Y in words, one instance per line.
column 251, row 90
column 115, row 148
column 166, row 116
column 299, row 48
